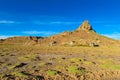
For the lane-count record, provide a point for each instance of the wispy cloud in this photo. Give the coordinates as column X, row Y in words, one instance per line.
column 9, row 22
column 112, row 25
column 115, row 35
column 5, row 36
column 54, row 23
column 45, row 33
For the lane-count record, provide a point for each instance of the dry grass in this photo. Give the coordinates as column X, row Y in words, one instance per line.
column 93, row 59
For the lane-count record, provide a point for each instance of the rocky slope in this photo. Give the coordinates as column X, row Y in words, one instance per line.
column 65, row 56
column 85, row 35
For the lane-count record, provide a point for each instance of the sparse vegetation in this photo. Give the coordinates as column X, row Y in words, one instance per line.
column 52, row 72
column 18, row 74
column 69, row 57
column 110, row 64
column 76, row 70
column 42, row 63
column 27, row 57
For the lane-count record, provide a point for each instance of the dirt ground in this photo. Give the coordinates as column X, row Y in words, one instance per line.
column 35, row 62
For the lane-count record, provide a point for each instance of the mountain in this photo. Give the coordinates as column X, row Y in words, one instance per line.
column 85, row 35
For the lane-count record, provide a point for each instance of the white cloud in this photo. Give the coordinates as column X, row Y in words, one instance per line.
column 115, row 35
column 7, row 36
column 59, row 22
column 40, row 32
column 54, row 23
column 9, row 22
column 4, row 36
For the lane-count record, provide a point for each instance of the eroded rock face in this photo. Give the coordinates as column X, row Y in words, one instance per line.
column 85, row 26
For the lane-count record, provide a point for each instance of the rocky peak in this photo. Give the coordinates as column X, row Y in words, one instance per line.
column 85, row 26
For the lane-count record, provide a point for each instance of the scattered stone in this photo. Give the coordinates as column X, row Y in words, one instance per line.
column 93, row 45
column 81, row 68
column 25, row 73
column 53, row 43
column 72, row 43
column 20, row 65
column 40, row 78
column 12, row 55
column 52, row 58
column 48, row 63
column 9, row 77
column 63, row 58
column 38, row 58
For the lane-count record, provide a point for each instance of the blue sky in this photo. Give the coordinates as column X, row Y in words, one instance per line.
column 48, row 17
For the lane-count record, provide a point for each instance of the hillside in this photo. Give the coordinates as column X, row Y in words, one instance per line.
column 85, row 35
column 82, row 54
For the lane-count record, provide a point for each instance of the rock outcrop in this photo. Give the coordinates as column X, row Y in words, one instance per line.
column 85, row 26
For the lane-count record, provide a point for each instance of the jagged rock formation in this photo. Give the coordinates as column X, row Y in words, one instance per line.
column 85, row 26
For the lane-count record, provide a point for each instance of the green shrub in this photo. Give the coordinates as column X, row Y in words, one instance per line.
column 52, row 72
column 76, row 70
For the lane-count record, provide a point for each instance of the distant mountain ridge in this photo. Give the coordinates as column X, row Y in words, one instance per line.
column 85, row 35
